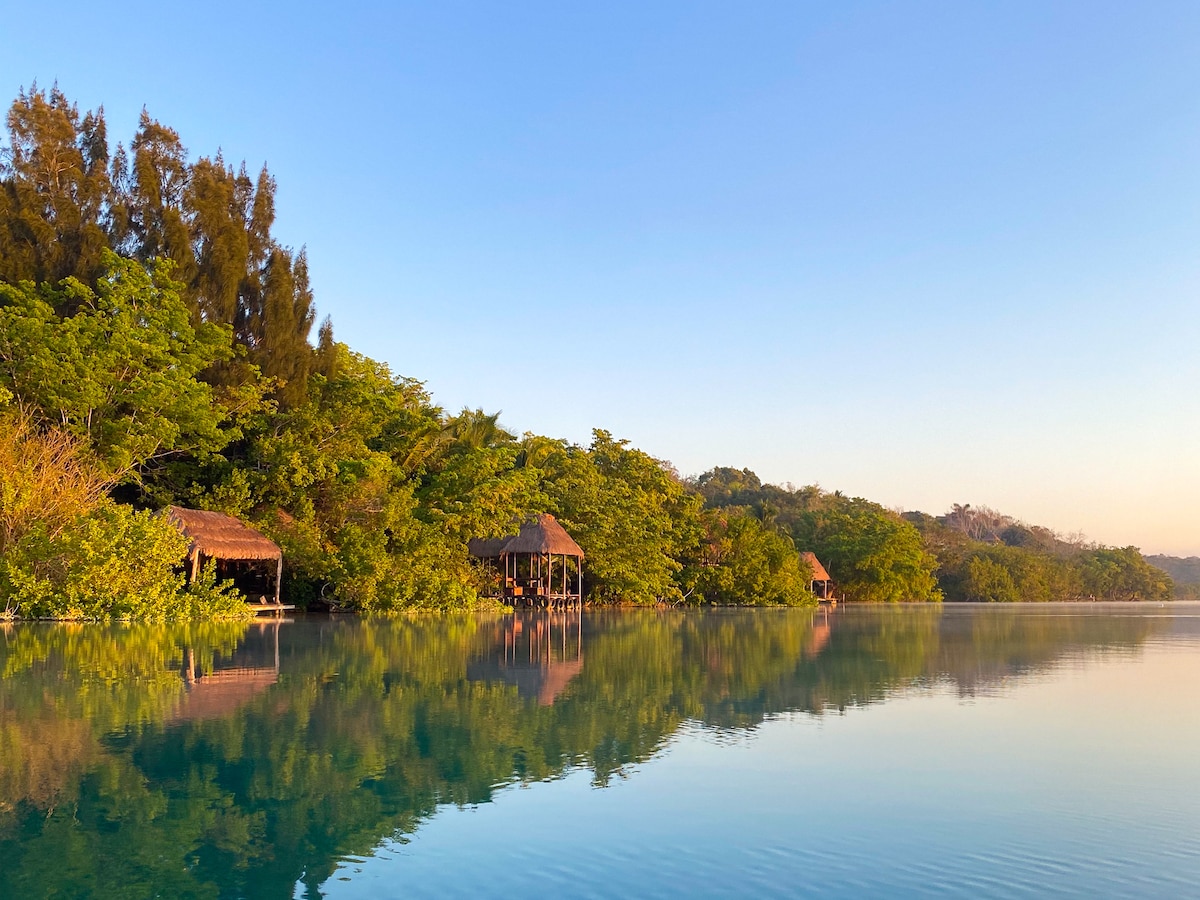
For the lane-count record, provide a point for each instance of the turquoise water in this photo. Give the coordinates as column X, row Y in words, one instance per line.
column 921, row 751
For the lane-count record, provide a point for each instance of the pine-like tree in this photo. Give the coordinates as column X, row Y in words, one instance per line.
column 55, row 220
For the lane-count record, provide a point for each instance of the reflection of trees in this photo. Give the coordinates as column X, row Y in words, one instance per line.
column 108, row 787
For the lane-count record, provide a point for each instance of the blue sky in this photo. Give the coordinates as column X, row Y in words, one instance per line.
column 924, row 253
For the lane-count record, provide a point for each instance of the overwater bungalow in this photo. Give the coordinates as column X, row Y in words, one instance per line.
column 821, row 582
column 540, row 565
column 251, row 559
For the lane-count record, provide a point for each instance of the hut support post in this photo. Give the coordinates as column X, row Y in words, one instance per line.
column 278, row 579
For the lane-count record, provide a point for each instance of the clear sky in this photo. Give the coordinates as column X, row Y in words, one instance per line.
column 924, row 253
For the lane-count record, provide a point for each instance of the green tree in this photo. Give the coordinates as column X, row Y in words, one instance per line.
column 57, row 191
column 871, row 553
column 632, row 516
column 743, row 562
column 1112, row 573
column 989, row 582
column 154, row 199
column 122, row 372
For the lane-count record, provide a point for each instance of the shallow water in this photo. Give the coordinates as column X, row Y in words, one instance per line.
column 916, row 751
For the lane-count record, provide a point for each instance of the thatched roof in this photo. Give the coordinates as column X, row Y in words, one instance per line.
column 818, row 570
column 220, row 536
column 487, row 548
column 543, row 535
column 540, row 535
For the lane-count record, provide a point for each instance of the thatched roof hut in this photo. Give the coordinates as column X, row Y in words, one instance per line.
column 219, row 536
column 819, row 575
column 531, row 557
column 214, row 535
column 818, row 570
column 544, row 535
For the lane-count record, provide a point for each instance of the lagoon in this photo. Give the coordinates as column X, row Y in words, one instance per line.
column 996, row 751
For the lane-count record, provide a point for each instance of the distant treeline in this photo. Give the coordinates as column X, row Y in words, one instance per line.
column 968, row 554
column 1184, row 571
column 155, row 349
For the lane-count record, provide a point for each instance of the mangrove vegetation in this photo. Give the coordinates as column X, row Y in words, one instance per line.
column 158, row 346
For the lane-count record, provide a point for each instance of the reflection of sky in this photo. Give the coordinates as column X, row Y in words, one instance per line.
column 1079, row 780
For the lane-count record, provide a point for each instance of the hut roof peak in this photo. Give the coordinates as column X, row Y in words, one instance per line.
column 223, row 537
column 818, row 570
column 541, row 534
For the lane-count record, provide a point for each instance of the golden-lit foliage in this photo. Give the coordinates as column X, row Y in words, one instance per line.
column 48, row 478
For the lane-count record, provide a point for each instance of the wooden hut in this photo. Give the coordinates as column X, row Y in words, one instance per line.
column 820, row 578
column 216, row 536
column 537, row 562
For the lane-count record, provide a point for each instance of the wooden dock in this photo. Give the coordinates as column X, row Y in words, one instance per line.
column 275, row 608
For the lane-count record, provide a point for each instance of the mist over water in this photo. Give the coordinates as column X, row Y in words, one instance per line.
column 871, row 751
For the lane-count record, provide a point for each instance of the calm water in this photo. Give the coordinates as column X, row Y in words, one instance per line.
column 962, row 751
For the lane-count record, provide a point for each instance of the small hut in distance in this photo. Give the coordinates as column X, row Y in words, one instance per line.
column 541, row 564
column 820, row 584
column 249, row 557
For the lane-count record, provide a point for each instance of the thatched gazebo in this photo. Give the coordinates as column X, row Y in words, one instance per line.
column 819, row 575
column 536, row 562
column 216, row 536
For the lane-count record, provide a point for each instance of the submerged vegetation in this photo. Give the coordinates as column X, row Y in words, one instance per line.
column 156, row 348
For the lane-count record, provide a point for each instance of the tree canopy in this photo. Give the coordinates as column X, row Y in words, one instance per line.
column 155, row 350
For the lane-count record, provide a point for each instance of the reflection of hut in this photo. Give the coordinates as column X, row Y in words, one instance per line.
column 818, row 637
column 542, row 563
column 540, row 654
column 230, row 686
column 247, row 556
column 221, row 693
column 820, row 578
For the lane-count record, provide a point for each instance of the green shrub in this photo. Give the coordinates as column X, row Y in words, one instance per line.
column 111, row 563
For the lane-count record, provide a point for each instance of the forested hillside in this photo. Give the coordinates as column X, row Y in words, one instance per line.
column 1184, row 571
column 985, row 556
column 156, row 348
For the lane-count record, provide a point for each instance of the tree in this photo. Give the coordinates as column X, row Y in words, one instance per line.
column 1112, row 573
column 122, row 372
column 871, row 553
column 54, row 221
column 632, row 517
column 743, row 562
column 989, row 582
column 154, row 201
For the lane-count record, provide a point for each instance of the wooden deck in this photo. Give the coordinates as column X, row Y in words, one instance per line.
column 277, row 608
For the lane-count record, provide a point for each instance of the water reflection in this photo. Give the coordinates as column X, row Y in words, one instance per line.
column 538, row 653
column 237, row 760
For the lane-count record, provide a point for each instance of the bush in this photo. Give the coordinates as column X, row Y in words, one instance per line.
column 111, row 563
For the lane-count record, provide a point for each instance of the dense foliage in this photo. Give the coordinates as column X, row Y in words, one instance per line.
column 1184, row 571
column 984, row 556
column 155, row 349
column 870, row 552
